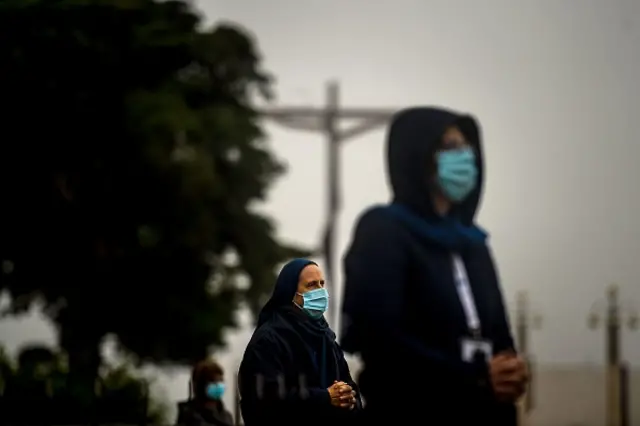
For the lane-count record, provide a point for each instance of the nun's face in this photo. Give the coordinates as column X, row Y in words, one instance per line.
column 311, row 278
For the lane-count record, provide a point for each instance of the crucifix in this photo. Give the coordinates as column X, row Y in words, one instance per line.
column 326, row 120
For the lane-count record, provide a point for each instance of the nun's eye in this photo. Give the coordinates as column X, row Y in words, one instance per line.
column 315, row 284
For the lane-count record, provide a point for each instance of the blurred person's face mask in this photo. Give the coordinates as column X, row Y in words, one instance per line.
column 215, row 391
column 315, row 302
column 457, row 173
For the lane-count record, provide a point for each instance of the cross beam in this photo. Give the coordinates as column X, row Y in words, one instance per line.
column 325, row 120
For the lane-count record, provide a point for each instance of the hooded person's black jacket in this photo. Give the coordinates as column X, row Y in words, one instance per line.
column 401, row 311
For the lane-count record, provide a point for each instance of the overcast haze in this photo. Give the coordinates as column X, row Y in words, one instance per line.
column 555, row 86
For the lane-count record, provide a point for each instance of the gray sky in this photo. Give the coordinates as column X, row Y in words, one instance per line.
column 554, row 84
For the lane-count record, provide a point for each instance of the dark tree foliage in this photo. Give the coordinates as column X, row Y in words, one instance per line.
column 131, row 161
column 37, row 379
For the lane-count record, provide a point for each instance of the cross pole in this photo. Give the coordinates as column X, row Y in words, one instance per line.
column 326, row 120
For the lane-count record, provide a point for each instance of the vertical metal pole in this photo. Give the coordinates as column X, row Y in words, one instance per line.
column 625, row 415
column 521, row 323
column 613, row 327
column 333, row 195
column 522, row 313
column 613, row 358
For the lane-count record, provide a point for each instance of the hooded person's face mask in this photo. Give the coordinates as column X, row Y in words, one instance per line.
column 457, row 173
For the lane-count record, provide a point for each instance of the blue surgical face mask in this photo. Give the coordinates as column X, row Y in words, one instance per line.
column 315, row 302
column 215, row 390
column 457, row 173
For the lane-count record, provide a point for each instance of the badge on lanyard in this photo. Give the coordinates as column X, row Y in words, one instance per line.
column 475, row 347
column 472, row 349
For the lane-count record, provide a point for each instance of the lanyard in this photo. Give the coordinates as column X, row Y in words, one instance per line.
column 465, row 295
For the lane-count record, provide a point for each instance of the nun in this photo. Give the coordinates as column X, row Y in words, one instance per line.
column 293, row 371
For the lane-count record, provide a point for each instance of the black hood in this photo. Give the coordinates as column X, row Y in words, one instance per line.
column 413, row 136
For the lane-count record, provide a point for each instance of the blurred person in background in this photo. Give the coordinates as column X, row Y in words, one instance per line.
column 293, row 372
column 205, row 406
column 422, row 300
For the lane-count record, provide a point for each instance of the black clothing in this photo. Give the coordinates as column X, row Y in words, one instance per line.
column 190, row 413
column 401, row 310
column 289, row 363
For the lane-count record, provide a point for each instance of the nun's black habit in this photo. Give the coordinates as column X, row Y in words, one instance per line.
column 290, row 362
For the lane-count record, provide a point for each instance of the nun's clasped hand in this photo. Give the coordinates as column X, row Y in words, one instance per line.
column 342, row 395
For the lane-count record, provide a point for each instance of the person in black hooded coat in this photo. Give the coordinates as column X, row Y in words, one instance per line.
column 422, row 302
column 293, row 372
